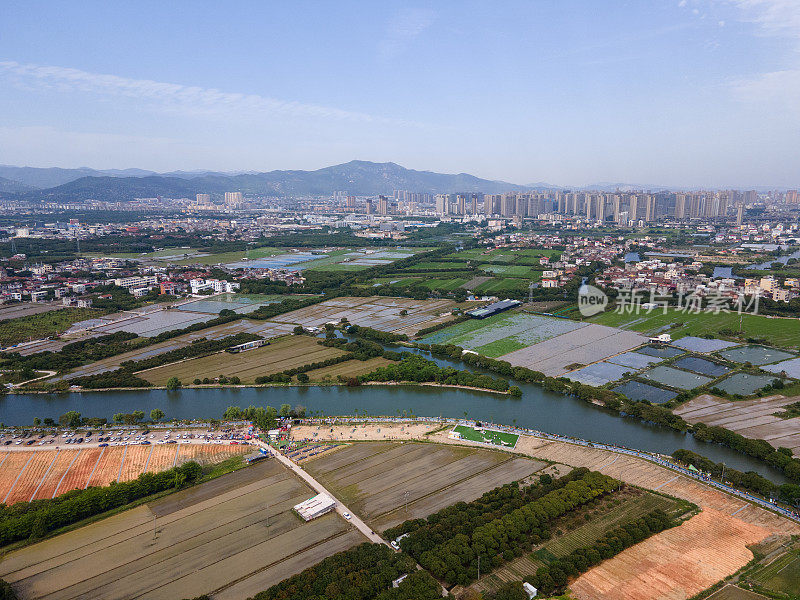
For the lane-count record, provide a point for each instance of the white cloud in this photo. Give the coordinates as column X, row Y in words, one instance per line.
column 173, row 97
column 404, row 26
column 779, row 88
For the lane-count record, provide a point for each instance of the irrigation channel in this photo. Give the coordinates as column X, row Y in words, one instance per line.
column 536, row 409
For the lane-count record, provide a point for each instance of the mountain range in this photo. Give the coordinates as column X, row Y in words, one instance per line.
column 355, row 177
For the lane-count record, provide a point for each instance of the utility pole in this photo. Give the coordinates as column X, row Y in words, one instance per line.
column 723, row 473
column 479, row 567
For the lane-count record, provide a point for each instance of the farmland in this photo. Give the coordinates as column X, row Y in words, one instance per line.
column 41, row 325
column 233, row 537
column 286, row 353
column 387, row 483
column 581, row 529
column 678, row 562
column 777, row 331
column 750, row 418
column 39, row 474
column 781, row 576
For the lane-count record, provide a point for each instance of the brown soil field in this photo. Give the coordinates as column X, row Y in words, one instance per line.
column 231, row 537
column 675, row 564
column 750, row 418
column 31, row 477
column 81, row 469
column 381, row 431
column 59, row 469
column 286, row 353
column 11, row 473
column 47, row 472
column 374, row 479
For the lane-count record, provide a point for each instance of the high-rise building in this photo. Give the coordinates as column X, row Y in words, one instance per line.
column 204, row 198
column 461, row 203
column 351, row 202
column 383, row 205
column 509, row 207
column 792, row 197
column 233, row 199
column 442, row 204
column 492, row 204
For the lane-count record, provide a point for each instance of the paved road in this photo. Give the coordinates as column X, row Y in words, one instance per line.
column 319, row 488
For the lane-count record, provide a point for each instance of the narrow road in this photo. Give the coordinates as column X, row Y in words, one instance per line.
column 319, row 488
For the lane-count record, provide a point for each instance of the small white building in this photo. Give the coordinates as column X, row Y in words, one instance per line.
column 315, row 507
column 663, row 338
column 530, row 590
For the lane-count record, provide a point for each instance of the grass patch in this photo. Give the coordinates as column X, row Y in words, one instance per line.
column 487, row 436
column 779, row 332
column 54, row 322
column 782, row 575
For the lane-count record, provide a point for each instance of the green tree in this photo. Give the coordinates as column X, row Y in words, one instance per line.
column 511, row 590
column 70, row 418
column 302, row 378
column 173, row 383
column 118, row 418
column 156, row 414
column 298, row 330
column 137, row 415
column 285, row 410
column 37, row 421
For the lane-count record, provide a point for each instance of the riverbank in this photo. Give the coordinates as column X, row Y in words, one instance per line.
column 264, row 385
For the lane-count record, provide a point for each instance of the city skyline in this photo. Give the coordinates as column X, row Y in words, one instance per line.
column 684, row 94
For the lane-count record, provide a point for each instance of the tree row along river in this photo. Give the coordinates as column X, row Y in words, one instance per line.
column 536, row 409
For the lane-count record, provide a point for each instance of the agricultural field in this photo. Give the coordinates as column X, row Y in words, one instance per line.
column 443, row 283
column 27, row 475
column 669, row 564
column 611, row 512
column 231, row 537
column 781, row 576
column 500, row 285
column 18, row 310
column 778, row 331
column 285, row 353
column 378, row 312
column 750, row 418
column 350, row 368
column 500, row 334
column 42, row 325
column 582, row 346
column 529, row 256
column 677, row 378
column 387, row 483
column 731, row 592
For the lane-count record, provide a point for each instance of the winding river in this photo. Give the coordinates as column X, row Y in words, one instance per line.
column 536, row 409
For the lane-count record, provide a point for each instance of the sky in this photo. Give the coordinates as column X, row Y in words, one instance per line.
column 692, row 93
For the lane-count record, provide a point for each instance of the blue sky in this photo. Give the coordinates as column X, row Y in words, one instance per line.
column 698, row 93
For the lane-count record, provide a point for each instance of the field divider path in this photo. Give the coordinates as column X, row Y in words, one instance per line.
column 175, row 459
column 46, row 473
column 21, row 471
column 315, row 485
column 60, row 481
column 122, row 462
column 4, row 458
column 88, row 479
column 658, row 487
column 148, row 459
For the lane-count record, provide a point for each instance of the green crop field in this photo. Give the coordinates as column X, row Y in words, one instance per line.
column 511, row 270
column 443, row 284
column 500, row 285
column 778, row 331
column 498, row 438
column 42, row 325
column 782, row 575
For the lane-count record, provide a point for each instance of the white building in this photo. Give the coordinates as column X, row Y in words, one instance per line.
column 315, row 507
column 136, row 282
column 218, row 286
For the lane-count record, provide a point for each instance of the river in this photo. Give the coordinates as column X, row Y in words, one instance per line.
column 536, row 409
column 781, row 259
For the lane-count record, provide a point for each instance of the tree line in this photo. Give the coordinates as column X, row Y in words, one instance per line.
column 415, row 368
column 496, row 527
column 33, row 520
column 554, row 576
